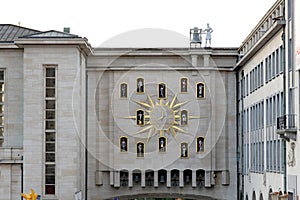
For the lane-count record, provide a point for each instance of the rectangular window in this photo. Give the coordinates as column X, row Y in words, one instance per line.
column 278, row 155
column 262, row 114
column 266, row 70
column 50, row 129
column 252, row 157
column 277, row 105
column 268, row 155
column 271, row 111
column 273, row 65
column 271, row 155
column 267, row 112
column 274, row 110
column 269, row 68
column 248, row 165
column 247, row 122
column 255, row 78
column 290, row 54
column 2, row 93
column 244, row 158
column 251, row 81
column 275, row 154
column 263, row 155
column 280, row 59
column 261, row 74
column 247, row 85
column 282, row 155
column 50, row 179
column 277, row 61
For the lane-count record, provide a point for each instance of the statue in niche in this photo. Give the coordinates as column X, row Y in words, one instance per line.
column 162, row 91
column 140, row 117
column 123, row 90
column 140, row 149
column 140, row 85
column 184, row 150
column 162, row 144
column 184, row 119
column 291, row 155
column 183, row 85
column 200, row 144
column 200, row 90
column 123, row 144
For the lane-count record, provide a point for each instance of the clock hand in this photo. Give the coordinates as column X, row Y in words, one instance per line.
column 162, row 116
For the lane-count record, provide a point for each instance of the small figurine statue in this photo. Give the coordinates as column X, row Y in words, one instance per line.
column 208, row 31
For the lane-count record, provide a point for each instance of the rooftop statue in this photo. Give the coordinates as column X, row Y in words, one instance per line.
column 196, row 36
column 208, row 32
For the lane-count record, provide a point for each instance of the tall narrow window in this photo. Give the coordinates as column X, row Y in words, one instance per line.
column 2, row 90
column 50, row 129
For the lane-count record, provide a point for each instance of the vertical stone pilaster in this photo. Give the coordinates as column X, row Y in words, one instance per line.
column 155, row 178
column 206, row 60
column 194, row 60
column 181, row 178
column 194, row 182
column 98, row 178
column 168, row 178
column 117, row 178
column 130, row 179
column 207, row 179
column 143, row 179
column 111, row 177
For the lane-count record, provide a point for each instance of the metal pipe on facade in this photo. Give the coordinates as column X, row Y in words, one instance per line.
column 284, row 94
column 242, row 129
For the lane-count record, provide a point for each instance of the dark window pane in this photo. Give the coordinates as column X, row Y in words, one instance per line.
column 1, row 131
column 50, row 179
column 50, row 157
column 1, row 87
column 49, row 114
column 50, row 169
column 1, row 75
column 50, row 125
column 1, row 120
column 50, row 92
column 1, row 108
column 50, row 147
column 1, row 97
column 50, row 189
column 50, row 82
column 50, row 104
column 50, row 72
column 50, row 136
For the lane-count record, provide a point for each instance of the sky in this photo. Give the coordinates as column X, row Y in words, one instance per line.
column 137, row 23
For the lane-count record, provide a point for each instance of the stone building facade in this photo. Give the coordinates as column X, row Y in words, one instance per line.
column 107, row 122
column 268, row 106
column 127, row 123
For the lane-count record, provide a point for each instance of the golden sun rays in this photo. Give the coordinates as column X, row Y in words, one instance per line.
column 161, row 117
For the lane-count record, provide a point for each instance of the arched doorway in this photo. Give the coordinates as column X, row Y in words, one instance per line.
column 253, row 196
column 261, row 197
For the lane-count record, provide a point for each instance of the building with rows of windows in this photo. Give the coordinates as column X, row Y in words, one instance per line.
column 78, row 122
column 268, row 106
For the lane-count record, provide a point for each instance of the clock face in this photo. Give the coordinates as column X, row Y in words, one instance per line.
column 161, row 113
column 162, row 117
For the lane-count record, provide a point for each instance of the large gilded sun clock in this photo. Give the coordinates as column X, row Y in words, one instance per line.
column 161, row 116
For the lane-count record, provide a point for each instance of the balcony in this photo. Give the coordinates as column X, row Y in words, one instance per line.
column 286, row 126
